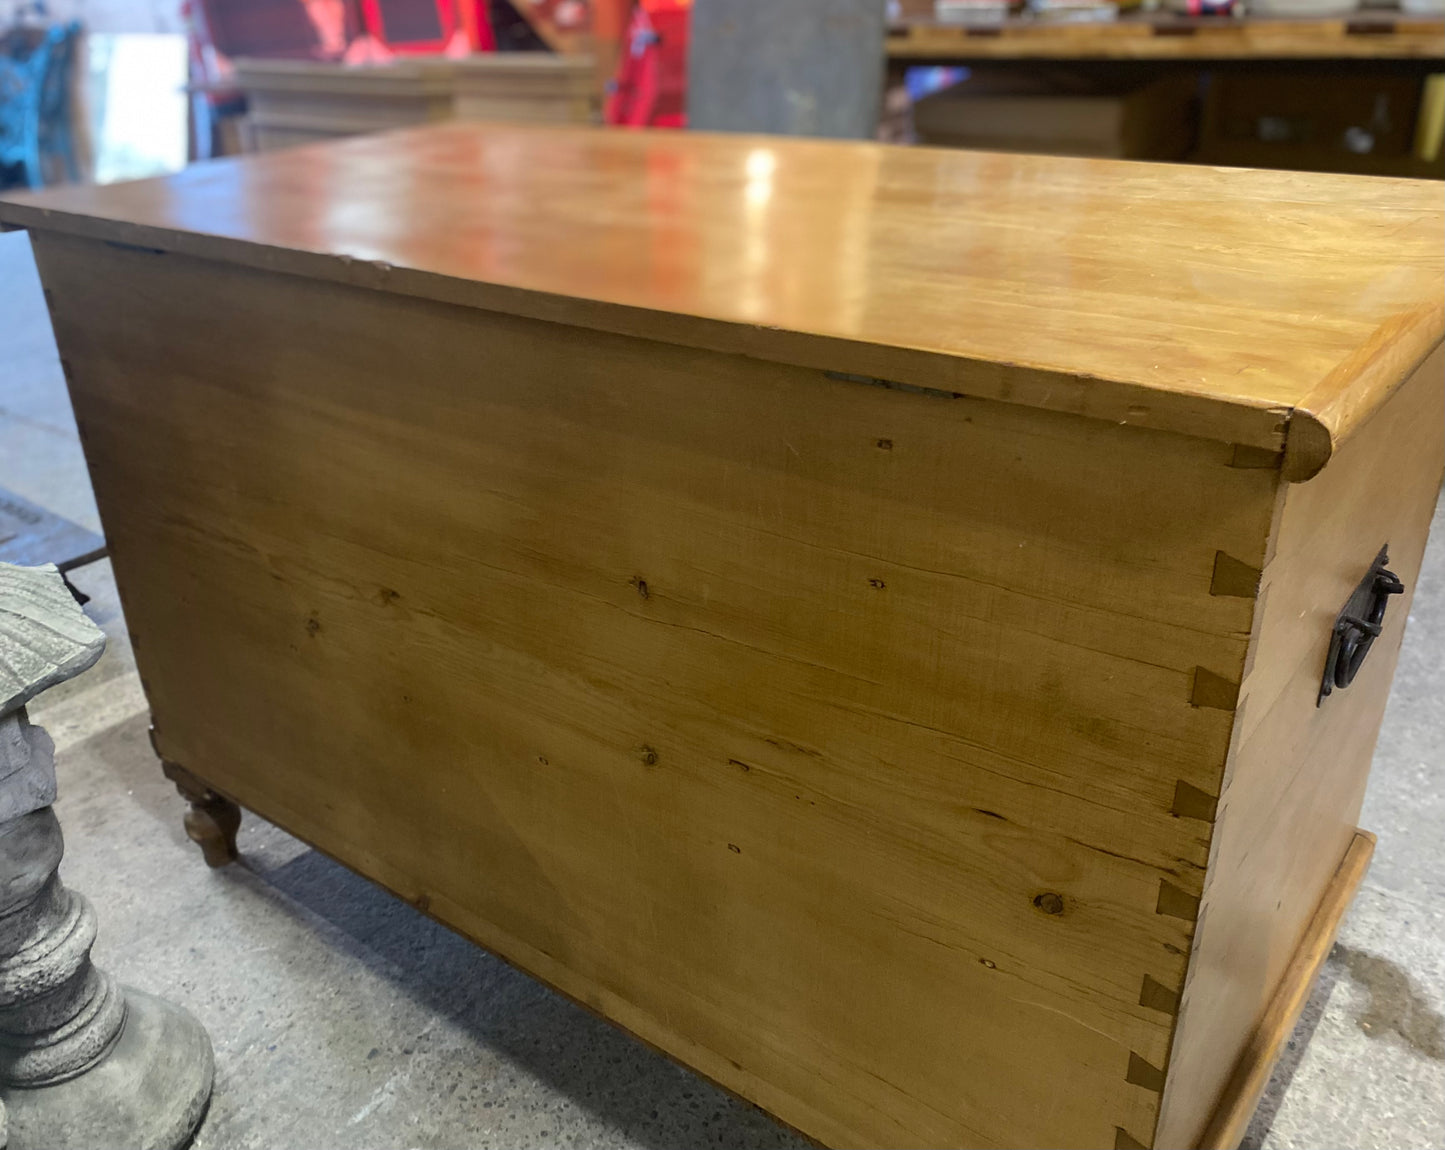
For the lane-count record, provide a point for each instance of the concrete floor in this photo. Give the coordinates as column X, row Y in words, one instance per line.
column 343, row 1018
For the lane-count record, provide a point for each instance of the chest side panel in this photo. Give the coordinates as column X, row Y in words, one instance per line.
column 1297, row 774
column 829, row 736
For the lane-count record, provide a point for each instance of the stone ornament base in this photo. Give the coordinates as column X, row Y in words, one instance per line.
column 85, row 1064
column 149, row 1091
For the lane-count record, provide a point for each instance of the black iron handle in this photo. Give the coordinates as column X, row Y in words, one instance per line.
column 1358, row 625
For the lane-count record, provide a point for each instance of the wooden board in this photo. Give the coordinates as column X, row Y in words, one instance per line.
column 706, row 689
column 1256, row 1063
column 1361, row 36
column 1181, row 298
column 1296, row 776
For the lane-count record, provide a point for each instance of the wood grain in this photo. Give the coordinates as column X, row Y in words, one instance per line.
column 1256, row 1063
column 1365, row 36
column 1296, row 776
column 705, row 688
column 1246, row 306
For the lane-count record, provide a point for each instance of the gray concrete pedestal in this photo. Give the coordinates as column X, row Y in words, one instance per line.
column 85, row 1064
column 149, row 1092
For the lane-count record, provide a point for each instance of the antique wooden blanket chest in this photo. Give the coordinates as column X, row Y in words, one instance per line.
column 858, row 618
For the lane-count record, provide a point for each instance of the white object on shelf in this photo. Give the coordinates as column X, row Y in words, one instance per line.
column 1302, row 7
column 970, row 11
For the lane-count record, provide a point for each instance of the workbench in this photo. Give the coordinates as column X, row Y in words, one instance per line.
column 1381, row 73
column 1366, row 35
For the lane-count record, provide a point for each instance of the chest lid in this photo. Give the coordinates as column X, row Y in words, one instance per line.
column 1272, row 309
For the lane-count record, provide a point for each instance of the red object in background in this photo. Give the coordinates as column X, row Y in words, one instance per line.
column 651, row 85
column 428, row 27
column 275, row 28
column 354, row 31
column 328, row 29
column 478, row 26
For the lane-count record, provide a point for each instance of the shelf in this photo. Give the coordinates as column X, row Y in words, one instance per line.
column 1360, row 35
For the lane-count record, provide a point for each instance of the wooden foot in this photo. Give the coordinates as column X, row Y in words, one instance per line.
column 212, row 820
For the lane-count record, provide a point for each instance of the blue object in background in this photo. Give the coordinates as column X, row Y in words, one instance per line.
column 925, row 81
column 35, row 69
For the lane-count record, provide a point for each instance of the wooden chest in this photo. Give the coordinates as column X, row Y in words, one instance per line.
column 292, row 102
column 303, row 101
column 526, row 87
column 855, row 617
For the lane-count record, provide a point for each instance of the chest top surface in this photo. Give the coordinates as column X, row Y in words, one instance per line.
column 1272, row 308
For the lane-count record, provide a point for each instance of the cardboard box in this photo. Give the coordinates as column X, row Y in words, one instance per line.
column 1062, row 113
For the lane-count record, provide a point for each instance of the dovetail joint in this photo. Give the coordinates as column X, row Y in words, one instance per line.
column 1176, row 903
column 1234, row 577
column 1211, row 690
column 1192, row 803
column 1145, row 1074
column 1154, row 995
column 1255, row 458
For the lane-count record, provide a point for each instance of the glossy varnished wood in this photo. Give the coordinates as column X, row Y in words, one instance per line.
column 1246, row 306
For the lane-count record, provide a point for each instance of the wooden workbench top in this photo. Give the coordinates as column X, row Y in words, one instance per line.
column 1247, row 306
column 1371, row 35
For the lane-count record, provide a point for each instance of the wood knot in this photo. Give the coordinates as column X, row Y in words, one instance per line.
column 1049, row 902
column 649, row 756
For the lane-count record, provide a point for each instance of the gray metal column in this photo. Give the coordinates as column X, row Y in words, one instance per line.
column 791, row 67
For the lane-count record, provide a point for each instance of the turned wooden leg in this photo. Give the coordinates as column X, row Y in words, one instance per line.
column 212, row 820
